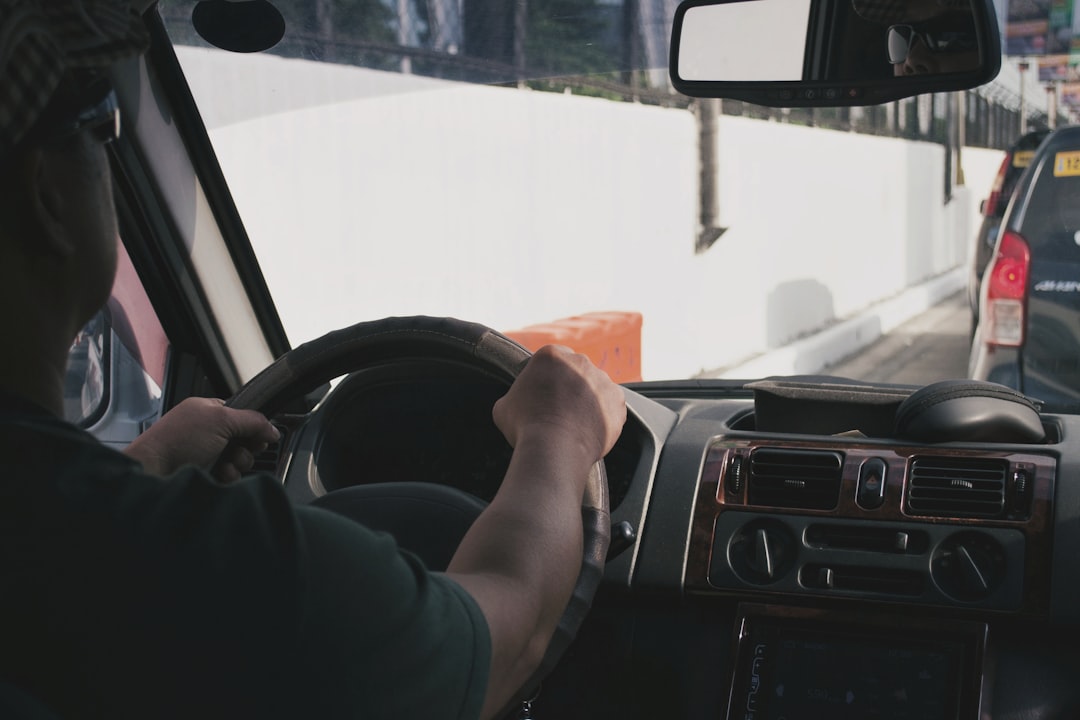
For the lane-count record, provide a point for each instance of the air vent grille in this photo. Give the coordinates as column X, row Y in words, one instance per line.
column 267, row 460
column 957, row 487
column 795, row 478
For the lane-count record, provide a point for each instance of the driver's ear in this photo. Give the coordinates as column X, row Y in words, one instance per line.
column 43, row 205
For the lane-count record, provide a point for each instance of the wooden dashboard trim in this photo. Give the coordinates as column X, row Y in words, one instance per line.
column 713, row 500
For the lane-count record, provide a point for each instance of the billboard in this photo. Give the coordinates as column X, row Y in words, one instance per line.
column 1070, row 96
column 1059, row 68
column 1027, row 25
column 1040, row 27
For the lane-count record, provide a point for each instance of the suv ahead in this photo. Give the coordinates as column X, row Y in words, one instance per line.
column 1028, row 335
column 1016, row 160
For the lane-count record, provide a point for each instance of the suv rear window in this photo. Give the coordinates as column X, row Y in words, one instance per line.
column 1051, row 218
column 1019, row 156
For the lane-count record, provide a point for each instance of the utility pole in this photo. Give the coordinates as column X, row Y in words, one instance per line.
column 1051, row 105
column 708, row 112
column 950, row 119
column 403, row 34
column 521, row 28
column 1022, row 66
column 961, row 134
column 324, row 21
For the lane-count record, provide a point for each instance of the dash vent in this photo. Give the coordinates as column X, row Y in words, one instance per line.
column 795, row 478
column 267, row 461
column 957, row 487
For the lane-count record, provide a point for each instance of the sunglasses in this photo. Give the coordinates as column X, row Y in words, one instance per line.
column 101, row 120
column 902, row 37
column 79, row 105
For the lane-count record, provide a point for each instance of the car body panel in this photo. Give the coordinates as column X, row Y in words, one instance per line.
column 1017, row 158
column 1044, row 213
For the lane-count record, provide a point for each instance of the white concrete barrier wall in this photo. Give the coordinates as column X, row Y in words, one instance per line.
column 546, row 217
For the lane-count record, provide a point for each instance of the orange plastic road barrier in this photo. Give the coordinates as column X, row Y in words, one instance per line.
column 612, row 340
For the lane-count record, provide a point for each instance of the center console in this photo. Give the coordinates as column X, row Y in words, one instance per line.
column 943, row 539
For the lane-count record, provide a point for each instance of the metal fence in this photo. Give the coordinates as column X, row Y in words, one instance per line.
column 988, row 123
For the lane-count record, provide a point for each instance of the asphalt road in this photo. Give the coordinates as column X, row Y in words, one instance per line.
column 933, row 346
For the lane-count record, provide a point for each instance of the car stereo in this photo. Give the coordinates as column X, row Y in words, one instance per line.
column 800, row 663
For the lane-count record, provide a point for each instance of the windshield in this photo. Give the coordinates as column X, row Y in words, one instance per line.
column 522, row 164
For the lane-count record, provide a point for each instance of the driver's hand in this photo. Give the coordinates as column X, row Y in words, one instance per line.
column 197, row 432
column 561, row 392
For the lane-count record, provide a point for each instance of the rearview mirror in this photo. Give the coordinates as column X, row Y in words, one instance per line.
column 797, row 53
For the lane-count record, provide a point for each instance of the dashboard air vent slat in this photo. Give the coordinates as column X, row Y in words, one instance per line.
column 795, row 478
column 957, row 487
column 267, row 460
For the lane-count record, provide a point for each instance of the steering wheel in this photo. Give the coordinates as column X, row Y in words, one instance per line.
column 434, row 516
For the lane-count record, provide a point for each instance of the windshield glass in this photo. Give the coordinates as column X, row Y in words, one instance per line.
column 523, row 164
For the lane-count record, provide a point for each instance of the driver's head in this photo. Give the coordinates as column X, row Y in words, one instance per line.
column 945, row 43
column 57, row 222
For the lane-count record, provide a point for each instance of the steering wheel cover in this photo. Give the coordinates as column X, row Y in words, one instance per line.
column 377, row 342
column 371, row 343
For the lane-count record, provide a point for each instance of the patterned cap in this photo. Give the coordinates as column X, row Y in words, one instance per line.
column 889, row 12
column 42, row 40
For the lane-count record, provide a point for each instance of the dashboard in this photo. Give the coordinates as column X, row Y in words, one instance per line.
column 767, row 575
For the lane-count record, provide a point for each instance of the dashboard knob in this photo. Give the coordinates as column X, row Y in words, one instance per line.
column 968, row 566
column 762, row 552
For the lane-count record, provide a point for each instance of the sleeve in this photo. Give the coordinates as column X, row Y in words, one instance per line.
column 279, row 610
column 384, row 637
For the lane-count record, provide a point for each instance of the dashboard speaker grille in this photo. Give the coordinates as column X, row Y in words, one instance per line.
column 795, row 478
column 961, row 487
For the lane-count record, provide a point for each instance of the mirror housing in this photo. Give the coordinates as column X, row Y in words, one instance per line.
column 846, row 52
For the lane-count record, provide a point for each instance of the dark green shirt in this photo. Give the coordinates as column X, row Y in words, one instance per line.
column 128, row 596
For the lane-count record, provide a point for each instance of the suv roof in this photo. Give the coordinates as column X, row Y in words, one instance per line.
column 1017, row 159
column 1046, row 207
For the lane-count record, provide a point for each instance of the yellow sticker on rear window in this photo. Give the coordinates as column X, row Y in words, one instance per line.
column 1067, row 164
column 1023, row 158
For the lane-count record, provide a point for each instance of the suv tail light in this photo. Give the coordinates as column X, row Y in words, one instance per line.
column 1006, row 291
column 990, row 207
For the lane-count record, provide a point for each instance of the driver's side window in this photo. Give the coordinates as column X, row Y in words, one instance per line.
column 86, row 383
column 116, row 365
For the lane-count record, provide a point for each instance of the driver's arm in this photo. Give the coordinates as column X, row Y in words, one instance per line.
column 521, row 558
